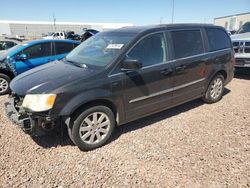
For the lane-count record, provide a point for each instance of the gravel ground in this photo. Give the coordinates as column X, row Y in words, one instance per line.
column 193, row 145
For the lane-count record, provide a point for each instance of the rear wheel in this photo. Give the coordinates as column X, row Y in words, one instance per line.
column 93, row 127
column 4, row 84
column 215, row 89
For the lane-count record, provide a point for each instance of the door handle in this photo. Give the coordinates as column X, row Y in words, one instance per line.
column 166, row 71
column 181, row 68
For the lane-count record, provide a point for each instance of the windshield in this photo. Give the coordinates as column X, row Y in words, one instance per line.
column 245, row 28
column 100, row 49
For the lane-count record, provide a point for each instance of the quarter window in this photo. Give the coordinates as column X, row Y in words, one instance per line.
column 150, row 50
column 217, row 39
column 38, row 50
column 187, row 43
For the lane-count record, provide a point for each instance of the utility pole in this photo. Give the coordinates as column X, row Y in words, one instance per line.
column 26, row 28
column 173, row 12
column 54, row 20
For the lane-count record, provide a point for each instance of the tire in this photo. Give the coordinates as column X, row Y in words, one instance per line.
column 4, row 84
column 215, row 90
column 92, row 128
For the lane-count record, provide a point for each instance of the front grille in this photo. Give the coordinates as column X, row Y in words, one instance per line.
column 241, row 46
column 235, row 44
column 242, row 61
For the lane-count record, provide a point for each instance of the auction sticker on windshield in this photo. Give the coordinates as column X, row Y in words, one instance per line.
column 115, row 46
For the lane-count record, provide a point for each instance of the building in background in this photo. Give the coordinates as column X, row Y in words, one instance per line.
column 232, row 22
column 38, row 28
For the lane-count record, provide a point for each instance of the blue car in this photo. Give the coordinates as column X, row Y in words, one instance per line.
column 31, row 54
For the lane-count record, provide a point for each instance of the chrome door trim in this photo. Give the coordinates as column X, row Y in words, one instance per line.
column 165, row 91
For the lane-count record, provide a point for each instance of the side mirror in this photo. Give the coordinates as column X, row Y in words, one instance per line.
column 22, row 57
column 131, row 65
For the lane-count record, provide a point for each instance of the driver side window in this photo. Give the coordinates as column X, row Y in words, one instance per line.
column 38, row 50
column 150, row 50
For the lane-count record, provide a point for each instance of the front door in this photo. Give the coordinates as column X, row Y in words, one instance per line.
column 37, row 54
column 150, row 88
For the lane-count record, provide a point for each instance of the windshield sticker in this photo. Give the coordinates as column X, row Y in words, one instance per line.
column 115, row 46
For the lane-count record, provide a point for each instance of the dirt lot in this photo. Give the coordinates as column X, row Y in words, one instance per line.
column 193, row 145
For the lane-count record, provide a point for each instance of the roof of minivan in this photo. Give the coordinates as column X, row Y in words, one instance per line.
column 138, row 29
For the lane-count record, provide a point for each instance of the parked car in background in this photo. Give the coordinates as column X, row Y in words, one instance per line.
column 16, row 38
column 122, row 75
column 72, row 36
column 28, row 55
column 56, row 35
column 87, row 33
column 241, row 44
column 6, row 44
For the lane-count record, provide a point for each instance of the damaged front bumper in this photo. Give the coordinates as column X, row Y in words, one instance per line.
column 33, row 124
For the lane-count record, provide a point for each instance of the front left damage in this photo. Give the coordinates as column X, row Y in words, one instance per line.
column 36, row 124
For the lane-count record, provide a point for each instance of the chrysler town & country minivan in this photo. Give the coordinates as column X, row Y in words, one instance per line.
column 122, row 75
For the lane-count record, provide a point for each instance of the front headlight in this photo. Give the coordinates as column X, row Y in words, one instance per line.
column 39, row 103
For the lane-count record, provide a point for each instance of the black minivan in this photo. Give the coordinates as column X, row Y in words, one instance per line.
column 122, row 75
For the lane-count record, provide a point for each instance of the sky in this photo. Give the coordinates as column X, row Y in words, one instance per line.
column 137, row 12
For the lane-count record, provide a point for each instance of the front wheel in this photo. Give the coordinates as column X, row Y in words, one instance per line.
column 93, row 127
column 4, row 84
column 215, row 90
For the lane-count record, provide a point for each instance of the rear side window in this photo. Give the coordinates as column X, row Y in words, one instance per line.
column 63, row 47
column 38, row 50
column 217, row 39
column 187, row 43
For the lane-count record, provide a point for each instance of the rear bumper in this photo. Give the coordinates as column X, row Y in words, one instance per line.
column 230, row 75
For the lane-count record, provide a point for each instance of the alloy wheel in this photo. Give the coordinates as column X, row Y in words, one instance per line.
column 4, row 85
column 216, row 88
column 94, row 128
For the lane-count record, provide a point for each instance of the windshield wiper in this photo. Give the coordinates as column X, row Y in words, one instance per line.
column 81, row 65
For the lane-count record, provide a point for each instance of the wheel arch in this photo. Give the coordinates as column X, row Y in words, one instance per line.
column 223, row 73
column 96, row 102
column 212, row 75
column 8, row 73
column 91, row 98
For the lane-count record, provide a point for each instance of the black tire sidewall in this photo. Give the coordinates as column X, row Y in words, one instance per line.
column 208, row 97
column 7, row 78
column 78, row 120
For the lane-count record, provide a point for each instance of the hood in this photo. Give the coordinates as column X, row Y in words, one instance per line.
column 241, row 36
column 48, row 77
